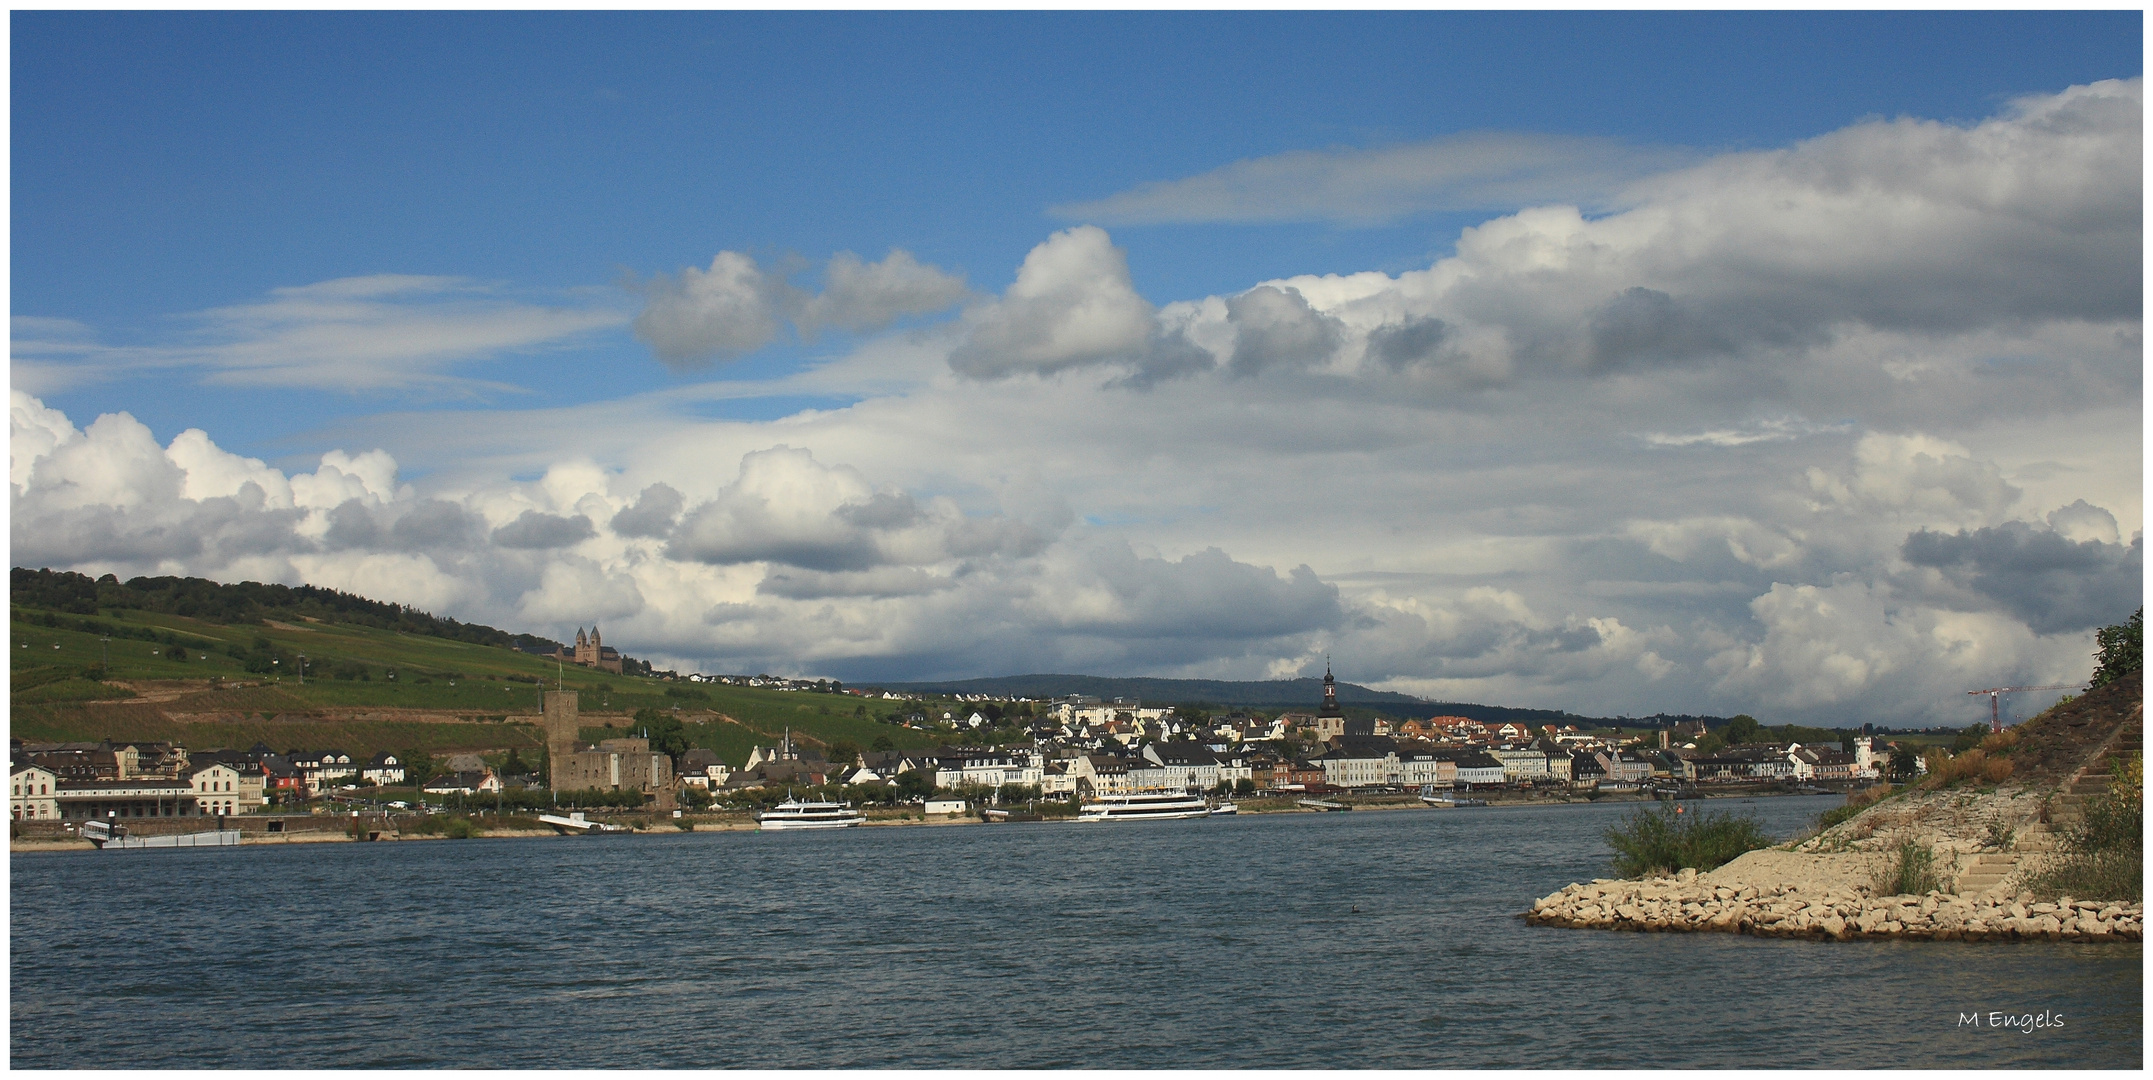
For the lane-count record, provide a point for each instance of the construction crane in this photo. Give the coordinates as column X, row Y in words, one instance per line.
column 1996, row 715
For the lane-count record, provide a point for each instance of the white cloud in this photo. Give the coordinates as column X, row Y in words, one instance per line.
column 729, row 310
column 1471, row 171
column 381, row 332
column 737, row 306
column 1072, row 304
column 1508, row 477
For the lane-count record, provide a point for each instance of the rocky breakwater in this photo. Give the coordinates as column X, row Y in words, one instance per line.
column 1693, row 903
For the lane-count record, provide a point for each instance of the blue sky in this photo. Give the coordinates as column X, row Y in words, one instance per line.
column 171, row 163
column 225, row 221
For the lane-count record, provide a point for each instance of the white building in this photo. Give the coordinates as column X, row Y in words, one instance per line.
column 988, row 768
column 30, row 793
column 1179, row 766
column 1522, row 763
column 1362, row 761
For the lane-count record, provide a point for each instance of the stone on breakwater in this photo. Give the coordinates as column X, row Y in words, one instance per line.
column 1690, row 904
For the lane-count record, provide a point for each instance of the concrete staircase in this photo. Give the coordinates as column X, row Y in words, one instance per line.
column 2069, row 806
column 1987, row 871
column 1990, row 869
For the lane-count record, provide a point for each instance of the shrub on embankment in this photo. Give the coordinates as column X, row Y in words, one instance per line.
column 1855, row 803
column 1672, row 837
column 2104, row 855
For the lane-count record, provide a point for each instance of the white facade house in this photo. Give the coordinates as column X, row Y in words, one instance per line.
column 989, row 768
column 1361, row 761
column 1479, row 768
column 1178, row 766
column 1420, row 769
column 216, row 789
column 31, row 791
column 385, row 770
column 1522, row 763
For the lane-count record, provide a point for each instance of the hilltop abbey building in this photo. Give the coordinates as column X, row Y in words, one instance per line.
column 590, row 653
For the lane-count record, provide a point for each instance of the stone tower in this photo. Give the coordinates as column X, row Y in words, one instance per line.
column 561, row 732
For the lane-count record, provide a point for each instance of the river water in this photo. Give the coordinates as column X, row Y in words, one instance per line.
column 1224, row 943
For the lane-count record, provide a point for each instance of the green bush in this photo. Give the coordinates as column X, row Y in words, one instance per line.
column 2104, row 855
column 1910, row 870
column 1673, row 837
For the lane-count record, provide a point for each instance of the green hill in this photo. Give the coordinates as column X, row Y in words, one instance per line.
column 128, row 673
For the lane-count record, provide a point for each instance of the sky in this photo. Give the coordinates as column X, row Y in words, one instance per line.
column 1780, row 363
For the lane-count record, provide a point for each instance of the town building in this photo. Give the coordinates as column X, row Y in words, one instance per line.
column 31, row 793
column 218, row 790
column 627, row 764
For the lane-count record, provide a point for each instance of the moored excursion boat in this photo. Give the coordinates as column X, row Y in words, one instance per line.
column 1225, row 809
column 1446, row 802
column 1144, row 806
column 111, row 835
column 795, row 814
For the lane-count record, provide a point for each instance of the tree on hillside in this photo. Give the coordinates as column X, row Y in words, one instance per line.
column 2122, row 649
column 666, row 734
column 883, row 744
column 1743, row 728
column 842, row 752
column 418, row 767
column 1969, row 738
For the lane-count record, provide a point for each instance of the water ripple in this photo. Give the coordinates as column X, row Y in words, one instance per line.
column 1229, row 943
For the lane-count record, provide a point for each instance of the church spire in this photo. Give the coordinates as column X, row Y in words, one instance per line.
column 1330, row 690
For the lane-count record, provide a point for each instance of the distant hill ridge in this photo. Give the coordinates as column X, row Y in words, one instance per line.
column 243, row 603
column 1277, row 694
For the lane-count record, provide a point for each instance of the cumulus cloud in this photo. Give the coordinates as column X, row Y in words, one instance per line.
column 731, row 309
column 1276, row 327
column 652, row 514
column 537, row 531
column 1918, row 473
column 2044, row 579
column 1889, row 226
column 1072, row 304
column 861, row 296
column 1856, row 650
column 737, row 306
column 1780, row 432
column 1469, row 171
column 789, row 509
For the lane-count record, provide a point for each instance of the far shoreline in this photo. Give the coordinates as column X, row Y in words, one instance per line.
column 335, row 829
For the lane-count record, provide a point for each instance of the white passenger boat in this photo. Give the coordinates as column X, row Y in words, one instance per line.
column 794, row 814
column 1143, row 806
column 110, row 835
column 576, row 824
column 1225, row 809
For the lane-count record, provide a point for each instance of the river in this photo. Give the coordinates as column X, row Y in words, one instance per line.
column 1356, row 940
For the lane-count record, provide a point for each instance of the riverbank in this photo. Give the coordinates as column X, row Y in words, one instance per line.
column 323, row 828
column 1984, row 848
column 1751, row 900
